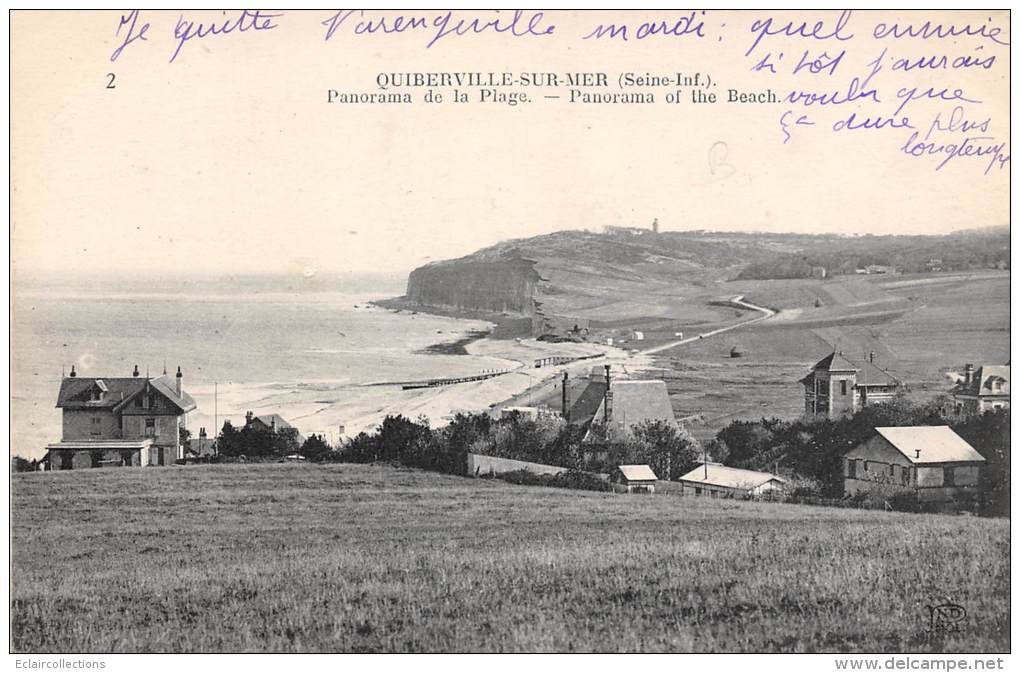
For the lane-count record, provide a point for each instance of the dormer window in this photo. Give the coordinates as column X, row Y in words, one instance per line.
column 98, row 391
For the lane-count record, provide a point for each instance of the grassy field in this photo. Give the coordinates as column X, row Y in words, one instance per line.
column 346, row 558
column 918, row 326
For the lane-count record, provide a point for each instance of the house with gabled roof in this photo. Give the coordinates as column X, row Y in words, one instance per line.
column 120, row 421
column 986, row 389
column 837, row 386
column 931, row 463
column 717, row 480
column 634, row 478
column 627, row 404
column 274, row 423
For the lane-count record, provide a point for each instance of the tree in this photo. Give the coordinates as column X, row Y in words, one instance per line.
column 19, row 464
column 669, row 450
column 989, row 433
column 230, row 442
column 315, row 448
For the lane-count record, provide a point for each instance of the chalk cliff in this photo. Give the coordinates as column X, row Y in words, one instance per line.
column 575, row 278
column 500, row 284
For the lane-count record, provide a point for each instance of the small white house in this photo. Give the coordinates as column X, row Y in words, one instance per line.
column 717, row 480
column 635, row 478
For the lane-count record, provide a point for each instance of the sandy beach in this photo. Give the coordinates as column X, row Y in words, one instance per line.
column 322, row 407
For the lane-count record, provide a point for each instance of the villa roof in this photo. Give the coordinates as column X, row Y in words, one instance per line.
column 868, row 373
column 74, row 391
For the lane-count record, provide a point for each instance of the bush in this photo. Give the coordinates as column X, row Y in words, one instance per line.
column 19, row 464
column 569, row 479
column 315, row 449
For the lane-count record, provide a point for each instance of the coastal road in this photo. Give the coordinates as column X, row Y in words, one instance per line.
column 766, row 313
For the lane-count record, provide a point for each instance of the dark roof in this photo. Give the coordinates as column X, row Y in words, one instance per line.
column 75, row 392
column 868, row 373
column 268, row 419
column 281, row 424
column 585, row 406
column 835, row 362
column 871, row 374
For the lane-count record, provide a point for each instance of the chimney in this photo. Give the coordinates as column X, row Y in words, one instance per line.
column 917, row 453
column 180, row 378
column 871, row 357
column 201, row 433
column 968, row 374
column 73, row 373
column 272, row 423
column 566, row 413
column 247, row 418
column 135, row 372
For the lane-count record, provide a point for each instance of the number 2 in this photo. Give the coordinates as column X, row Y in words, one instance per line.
column 110, row 84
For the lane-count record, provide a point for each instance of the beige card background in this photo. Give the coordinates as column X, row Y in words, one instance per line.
column 234, row 145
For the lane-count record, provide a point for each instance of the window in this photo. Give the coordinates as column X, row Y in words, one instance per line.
column 905, row 476
column 892, row 470
column 851, row 468
column 97, row 426
column 150, row 427
column 842, row 387
column 697, row 491
column 947, row 477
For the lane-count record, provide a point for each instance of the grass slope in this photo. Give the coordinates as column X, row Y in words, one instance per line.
column 351, row 558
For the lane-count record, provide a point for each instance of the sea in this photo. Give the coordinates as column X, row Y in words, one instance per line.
column 307, row 347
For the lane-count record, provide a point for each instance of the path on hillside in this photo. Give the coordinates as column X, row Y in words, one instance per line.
column 737, row 301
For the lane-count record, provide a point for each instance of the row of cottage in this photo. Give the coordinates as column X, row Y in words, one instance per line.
column 137, row 421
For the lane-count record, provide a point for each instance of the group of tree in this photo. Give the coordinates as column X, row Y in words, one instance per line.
column 253, row 441
column 814, row 448
column 546, row 439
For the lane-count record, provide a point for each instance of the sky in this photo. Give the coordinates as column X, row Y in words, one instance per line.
column 230, row 159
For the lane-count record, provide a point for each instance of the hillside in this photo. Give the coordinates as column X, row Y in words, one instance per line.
column 362, row 558
column 570, row 277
